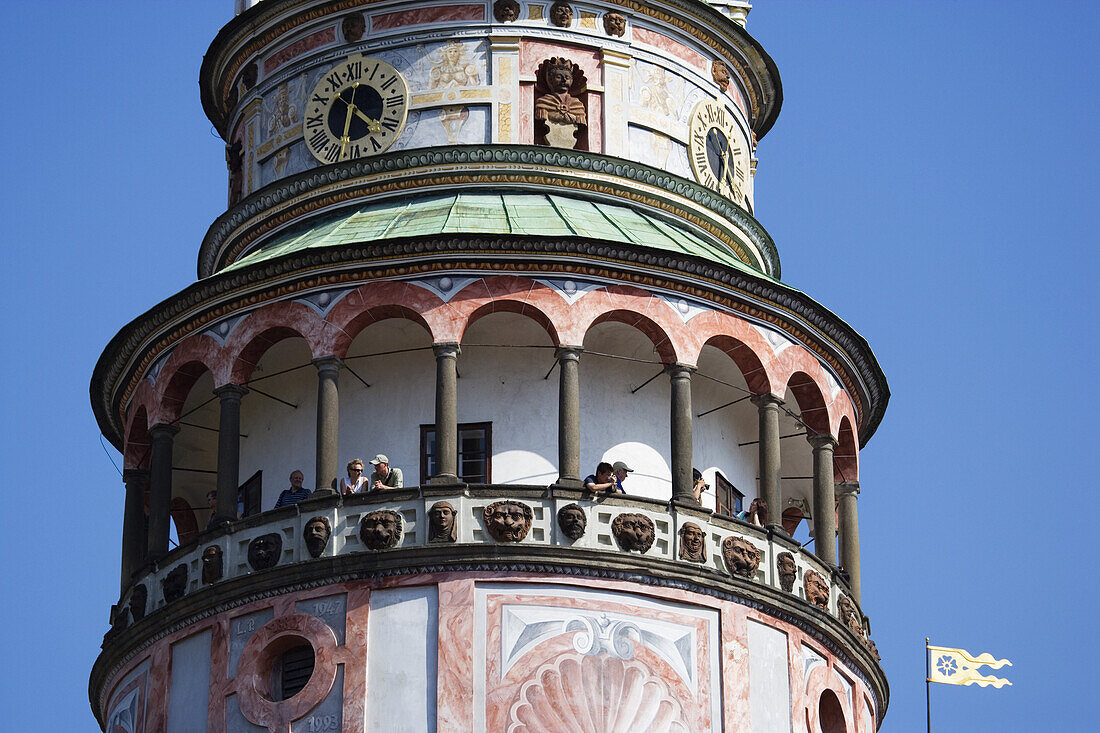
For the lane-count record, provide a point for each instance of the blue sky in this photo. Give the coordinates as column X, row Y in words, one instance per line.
column 930, row 179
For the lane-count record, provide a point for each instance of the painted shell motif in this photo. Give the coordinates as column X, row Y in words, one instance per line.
column 595, row 694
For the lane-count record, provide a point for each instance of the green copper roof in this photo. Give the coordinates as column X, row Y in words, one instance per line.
column 545, row 215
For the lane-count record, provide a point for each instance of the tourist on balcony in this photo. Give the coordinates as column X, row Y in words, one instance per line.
column 384, row 476
column 602, row 480
column 295, row 493
column 212, row 503
column 356, row 482
column 700, row 484
column 757, row 513
column 621, row 470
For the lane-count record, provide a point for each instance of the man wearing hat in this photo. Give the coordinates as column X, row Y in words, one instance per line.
column 384, row 477
column 621, row 470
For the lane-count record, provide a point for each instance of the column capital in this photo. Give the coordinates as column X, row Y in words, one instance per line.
column 569, row 353
column 763, row 400
column 231, row 392
column 163, row 430
column 328, row 364
column 845, row 488
column 823, row 440
column 446, row 349
column 679, row 370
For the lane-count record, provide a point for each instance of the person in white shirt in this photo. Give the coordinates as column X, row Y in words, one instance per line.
column 356, row 482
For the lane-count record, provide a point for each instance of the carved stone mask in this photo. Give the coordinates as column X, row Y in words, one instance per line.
column 508, row 521
column 138, row 598
column 353, row 27
column 572, row 521
column 721, row 74
column 506, row 11
column 316, row 534
column 211, row 564
column 561, row 14
column 441, row 523
column 848, row 614
column 634, row 531
column 264, row 551
column 788, row 570
column 381, row 529
column 614, row 24
column 175, row 583
column 817, row 590
column 693, row 544
column 741, row 556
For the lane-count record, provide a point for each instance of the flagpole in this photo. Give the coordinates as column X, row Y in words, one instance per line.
column 927, row 684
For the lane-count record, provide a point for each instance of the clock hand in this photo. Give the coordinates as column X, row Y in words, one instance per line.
column 347, row 125
column 372, row 124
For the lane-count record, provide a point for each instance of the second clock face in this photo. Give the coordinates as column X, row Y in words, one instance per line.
column 717, row 157
column 357, row 109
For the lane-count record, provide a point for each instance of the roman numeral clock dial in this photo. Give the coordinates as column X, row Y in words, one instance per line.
column 718, row 159
column 357, row 109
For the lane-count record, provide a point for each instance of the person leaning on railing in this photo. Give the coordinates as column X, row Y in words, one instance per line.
column 295, row 493
column 384, row 476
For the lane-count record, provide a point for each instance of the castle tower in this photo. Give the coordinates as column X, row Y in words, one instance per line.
column 499, row 243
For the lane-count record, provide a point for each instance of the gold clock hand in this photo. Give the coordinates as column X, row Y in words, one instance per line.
column 372, row 124
column 344, row 140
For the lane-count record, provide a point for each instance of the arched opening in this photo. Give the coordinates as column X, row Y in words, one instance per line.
column 189, row 399
column 846, row 458
column 505, row 357
column 804, row 415
column 830, row 713
column 278, row 415
column 392, row 354
column 725, row 428
column 625, row 399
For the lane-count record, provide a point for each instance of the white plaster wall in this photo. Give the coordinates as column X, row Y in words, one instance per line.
column 401, row 671
column 280, row 439
column 386, row 417
column 196, row 448
column 506, row 386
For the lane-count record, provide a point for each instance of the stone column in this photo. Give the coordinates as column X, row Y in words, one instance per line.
column 134, row 541
column 768, row 409
column 849, row 534
column 680, row 431
column 824, row 498
column 328, row 423
column 569, row 417
column 229, row 450
column 446, row 413
column 160, row 489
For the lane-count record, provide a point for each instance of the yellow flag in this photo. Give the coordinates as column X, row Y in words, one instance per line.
column 958, row 667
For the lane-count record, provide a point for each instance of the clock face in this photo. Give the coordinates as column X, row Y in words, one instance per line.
column 357, row 109
column 717, row 157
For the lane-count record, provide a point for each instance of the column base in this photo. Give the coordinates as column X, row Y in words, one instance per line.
column 567, row 482
column 689, row 502
column 446, row 479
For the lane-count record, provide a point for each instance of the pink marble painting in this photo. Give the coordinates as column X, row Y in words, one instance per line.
column 423, row 16
column 296, row 49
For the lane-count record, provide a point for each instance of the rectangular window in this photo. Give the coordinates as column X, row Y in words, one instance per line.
column 727, row 497
column 475, row 451
column 250, row 495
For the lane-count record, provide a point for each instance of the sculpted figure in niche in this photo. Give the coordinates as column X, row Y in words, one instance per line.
column 561, row 14
column 614, row 24
column 249, row 75
column 693, row 546
column 572, row 521
column 848, row 614
column 788, row 570
column 506, row 11
column 741, row 556
column 441, row 523
column 211, row 564
column 264, row 551
column 380, row 529
column 559, row 111
column 634, row 531
column 721, row 74
column 353, row 27
column 316, row 534
column 508, row 521
column 175, row 583
column 138, row 597
column 234, row 161
column 817, row 590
